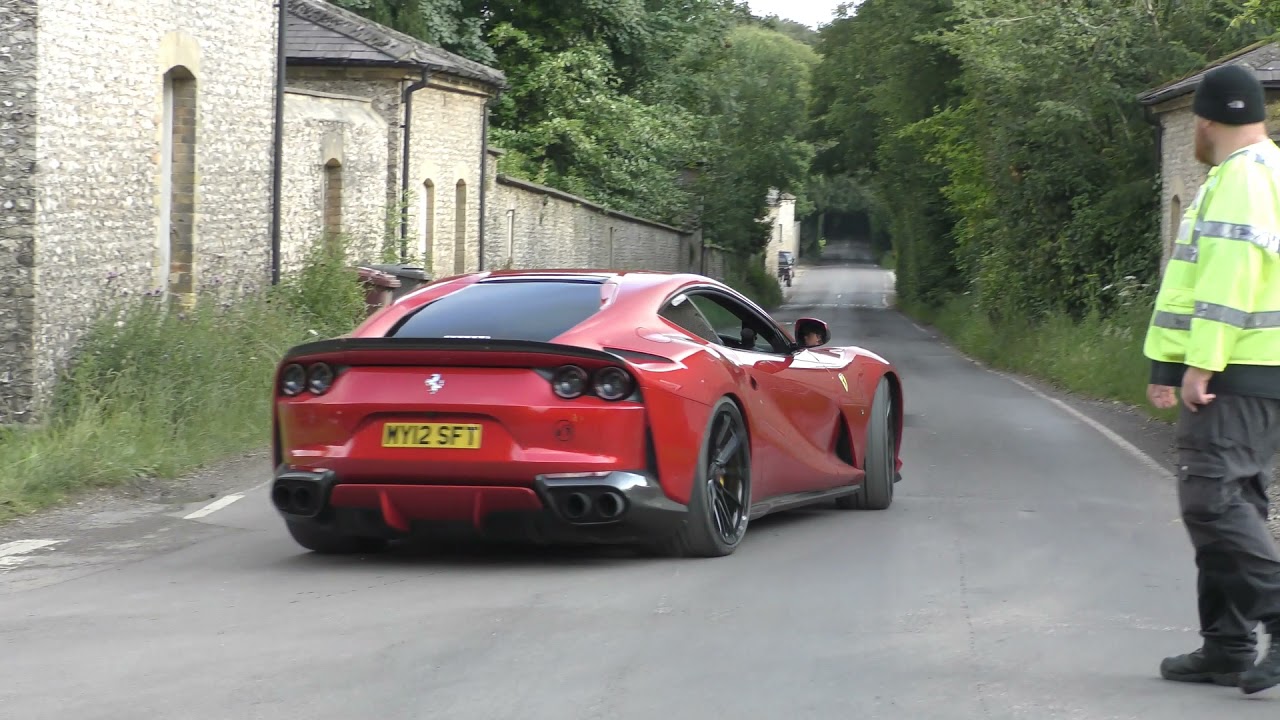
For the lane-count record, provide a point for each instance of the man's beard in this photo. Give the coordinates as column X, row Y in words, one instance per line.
column 1204, row 151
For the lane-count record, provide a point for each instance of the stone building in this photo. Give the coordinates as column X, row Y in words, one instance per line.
column 434, row 106
column 135, row 157
column 1180, row 173
column 149, row 169
column 449, row 206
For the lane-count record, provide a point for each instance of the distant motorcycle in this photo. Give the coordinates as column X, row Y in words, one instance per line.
column 786, row 266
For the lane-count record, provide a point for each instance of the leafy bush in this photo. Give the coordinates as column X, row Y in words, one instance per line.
column 753, row 280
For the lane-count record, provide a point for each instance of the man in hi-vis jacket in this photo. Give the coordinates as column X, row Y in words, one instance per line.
column 1215, row 334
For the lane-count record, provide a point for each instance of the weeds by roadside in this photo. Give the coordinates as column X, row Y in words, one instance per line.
column 1098, row 358
column 158, row 393
column 757, row 284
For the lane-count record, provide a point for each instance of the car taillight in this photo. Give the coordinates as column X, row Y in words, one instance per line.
column 613, row 383
column 319, row 378
column 569, row 382
column 293, row 380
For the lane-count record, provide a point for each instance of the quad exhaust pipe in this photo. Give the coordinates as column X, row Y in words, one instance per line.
column 298, row 496
column 590, row 505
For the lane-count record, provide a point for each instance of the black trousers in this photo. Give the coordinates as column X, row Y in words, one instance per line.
column 1225, row 456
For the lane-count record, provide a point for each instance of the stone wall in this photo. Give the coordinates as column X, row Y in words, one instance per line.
column 444, row 177
column 17, row 205
column 105, row 139
column 330, row 137
column 531, row 226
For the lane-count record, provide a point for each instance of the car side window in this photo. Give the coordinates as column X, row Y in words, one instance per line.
column 687, row 316
column 736, row 326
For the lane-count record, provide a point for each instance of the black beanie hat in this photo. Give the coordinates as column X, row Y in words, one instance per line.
column 1231, row 95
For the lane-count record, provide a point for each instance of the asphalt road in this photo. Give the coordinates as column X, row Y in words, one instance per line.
column 1030, row 567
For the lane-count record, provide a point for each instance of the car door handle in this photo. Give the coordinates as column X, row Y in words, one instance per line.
column 754, row 384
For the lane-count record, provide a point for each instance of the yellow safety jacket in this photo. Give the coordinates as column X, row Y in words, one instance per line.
column 1218, row 308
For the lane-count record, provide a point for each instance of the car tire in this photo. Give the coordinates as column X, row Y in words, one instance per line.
column 325, row 541
column 878, row 485
column 701, row 536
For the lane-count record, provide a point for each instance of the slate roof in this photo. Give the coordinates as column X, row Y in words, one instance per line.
column 319, row 32
column 1263, row 57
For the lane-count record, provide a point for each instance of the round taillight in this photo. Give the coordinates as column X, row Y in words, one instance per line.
column 613, row 383
column 293, row 380
column 319, row 378
column 569, row 382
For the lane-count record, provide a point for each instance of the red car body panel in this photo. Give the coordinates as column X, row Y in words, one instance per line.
column 797, row 407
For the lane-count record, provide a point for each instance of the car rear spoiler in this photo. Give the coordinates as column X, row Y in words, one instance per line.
column 446, row 351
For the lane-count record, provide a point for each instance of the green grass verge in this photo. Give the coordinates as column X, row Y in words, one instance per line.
column 156, row 394
column 1097, row 358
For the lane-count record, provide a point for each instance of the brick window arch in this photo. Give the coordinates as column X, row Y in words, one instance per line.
column 460, row 228
column 332, row 200
column 178, row 184
column 427, row 222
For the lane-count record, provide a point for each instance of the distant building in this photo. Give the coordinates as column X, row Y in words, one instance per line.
column 1181, row 175
column 784, row 230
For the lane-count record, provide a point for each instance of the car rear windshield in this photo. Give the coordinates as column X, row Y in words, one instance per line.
column 537, row 310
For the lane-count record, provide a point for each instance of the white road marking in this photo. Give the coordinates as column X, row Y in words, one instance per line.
column 214, row 506
column 12, row 554
column 1106, row 432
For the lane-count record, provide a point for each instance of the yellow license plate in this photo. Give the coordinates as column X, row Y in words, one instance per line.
column 431, row 435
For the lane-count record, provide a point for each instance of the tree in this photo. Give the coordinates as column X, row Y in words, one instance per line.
column 444, row 23
column 1003, row 140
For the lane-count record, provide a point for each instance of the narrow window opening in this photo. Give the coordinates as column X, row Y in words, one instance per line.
column 332, row 201
column 460, row 229
column 427, row 227
column 511, row 237
column 178, row 184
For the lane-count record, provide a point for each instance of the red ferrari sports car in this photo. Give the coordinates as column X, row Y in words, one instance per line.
column 653, row 409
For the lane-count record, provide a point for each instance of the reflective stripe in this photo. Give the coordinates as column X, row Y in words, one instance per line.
column 1269, row 241
column 1269, row 161
column 1248, row 233
column 1218, row 313
column 1190, row 252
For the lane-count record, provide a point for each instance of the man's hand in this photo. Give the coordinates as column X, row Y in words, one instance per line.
column 1161, row 396
column 1195, row 388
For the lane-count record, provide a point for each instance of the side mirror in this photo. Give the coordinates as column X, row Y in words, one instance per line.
column 811, row 332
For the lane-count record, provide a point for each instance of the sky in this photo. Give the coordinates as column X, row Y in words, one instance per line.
column 810, row 12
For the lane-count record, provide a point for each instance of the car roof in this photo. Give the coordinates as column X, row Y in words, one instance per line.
column 629, row 280
column 634, row 287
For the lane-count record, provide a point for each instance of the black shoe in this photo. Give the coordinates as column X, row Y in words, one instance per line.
column 1202, row 667
column 1265, row 674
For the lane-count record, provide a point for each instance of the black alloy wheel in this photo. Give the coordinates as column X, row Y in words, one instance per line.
column 720, row 504
column 728, row 477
